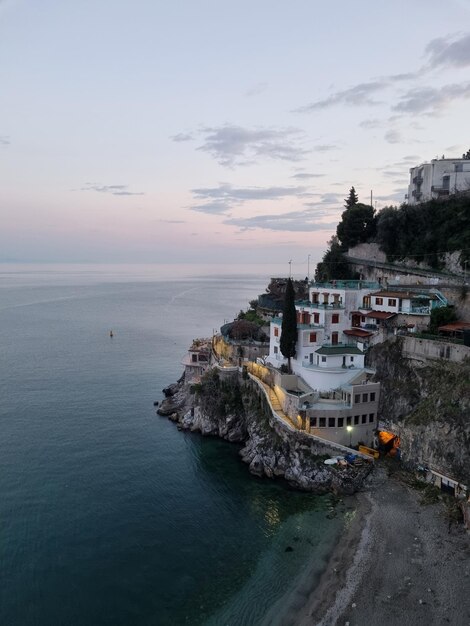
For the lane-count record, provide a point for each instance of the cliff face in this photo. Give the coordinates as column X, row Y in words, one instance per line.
column 428, row 406
column 237, row 411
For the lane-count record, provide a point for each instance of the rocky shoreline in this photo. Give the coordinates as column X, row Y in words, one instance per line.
column 235, row 410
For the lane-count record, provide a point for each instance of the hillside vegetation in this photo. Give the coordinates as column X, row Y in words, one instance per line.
column 423, row 232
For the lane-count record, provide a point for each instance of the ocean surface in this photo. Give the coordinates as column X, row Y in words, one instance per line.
column 108, row 514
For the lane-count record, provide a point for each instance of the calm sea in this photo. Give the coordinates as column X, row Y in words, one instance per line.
column 108, row 514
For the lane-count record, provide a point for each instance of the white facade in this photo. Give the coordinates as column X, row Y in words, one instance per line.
column 437, row 179
column 340, row 403
column 322, row 322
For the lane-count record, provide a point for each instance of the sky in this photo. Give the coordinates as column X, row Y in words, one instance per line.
column 148, row 131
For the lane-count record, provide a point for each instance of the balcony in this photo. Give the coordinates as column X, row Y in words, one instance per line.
column 331, row 369
column 416, row 194
column 418, row 180
column 347, row 284
column 306, row 304
column 310, row 326
column 440, row 191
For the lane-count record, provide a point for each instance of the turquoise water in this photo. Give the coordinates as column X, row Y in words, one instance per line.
column 108, row 514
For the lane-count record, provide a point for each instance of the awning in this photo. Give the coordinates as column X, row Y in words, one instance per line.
column 380, row 315
column 357, row 332
column 454, row 326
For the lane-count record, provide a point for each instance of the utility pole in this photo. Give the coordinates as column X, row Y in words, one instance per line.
column 308, row 269
column 371, row 204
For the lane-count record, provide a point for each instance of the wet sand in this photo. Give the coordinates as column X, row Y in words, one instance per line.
column 396, row 564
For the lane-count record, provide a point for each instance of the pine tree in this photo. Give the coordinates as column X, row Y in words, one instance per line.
column 352, row 199
column 289, row 325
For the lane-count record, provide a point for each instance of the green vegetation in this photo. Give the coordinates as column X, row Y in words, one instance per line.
column 289, row 325
column 352, row 199
column 358, row 225
column 219, row 396
column 426, row 231
column 333, row 266
column 440, row 317
column 251, row 316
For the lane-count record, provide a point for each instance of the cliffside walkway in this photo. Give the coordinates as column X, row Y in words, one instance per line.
column 286, row 421
column 401, row 269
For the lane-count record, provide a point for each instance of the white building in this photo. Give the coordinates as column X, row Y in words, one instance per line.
column 437, row 179
column 330, row 342
column 330, row 317
column 196, row 361
column 395, row 308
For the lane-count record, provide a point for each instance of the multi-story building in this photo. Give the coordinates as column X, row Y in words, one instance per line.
column 439, row 178
column 330, row 318
column 196, row 361
column 337, row 399
column 330, row 362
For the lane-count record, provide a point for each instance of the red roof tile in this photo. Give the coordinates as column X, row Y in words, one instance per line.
column 380, row 315
column 357, row 332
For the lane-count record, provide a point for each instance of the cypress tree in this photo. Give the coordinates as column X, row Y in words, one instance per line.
column 289, row 325
column 352, row 199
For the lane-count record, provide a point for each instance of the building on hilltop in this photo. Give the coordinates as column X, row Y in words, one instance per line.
column 438, row 179
column 330, row 363
column 337, row 398
column 196, row 361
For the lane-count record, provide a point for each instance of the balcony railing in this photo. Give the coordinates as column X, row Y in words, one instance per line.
column 441, row 191
column 347, row 284
column 320, row 305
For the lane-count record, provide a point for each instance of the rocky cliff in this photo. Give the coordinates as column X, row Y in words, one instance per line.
column 428, row 405
column 237, row 410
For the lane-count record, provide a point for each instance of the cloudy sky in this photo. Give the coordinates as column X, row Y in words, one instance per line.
column 206, row 131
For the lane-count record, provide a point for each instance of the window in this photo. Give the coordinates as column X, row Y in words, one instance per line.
column 340, row 422
column 276, row 349
column 322, row 422
column 323, row 359
column 357, row 398
column 335, row 318
column 331, row 422
column 313, row 337
column 334, row 339
column 194, row 358
column 371, row 417
column 313, row 422
column 365, row 397
column 392, row 302
column 379, row 301
column 458, row 167
column 276, row 331
column 316, row 318
column 363, row 319
column 351, row 358
column 349, row 420
column 372, row 396
column 356, row 419
column 364, row 419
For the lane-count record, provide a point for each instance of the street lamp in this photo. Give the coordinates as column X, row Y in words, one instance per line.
column 349, row 429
